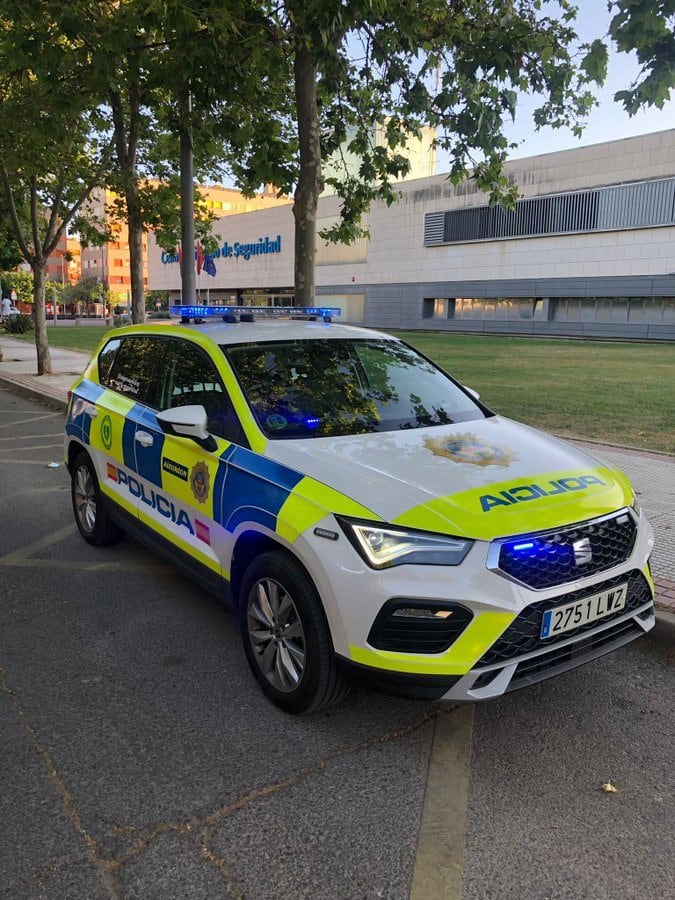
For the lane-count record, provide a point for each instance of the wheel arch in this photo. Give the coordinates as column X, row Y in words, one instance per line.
column 249, row 545
column 75, row 447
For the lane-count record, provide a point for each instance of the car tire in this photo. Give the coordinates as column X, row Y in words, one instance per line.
column 91, row 517
column 286, row 637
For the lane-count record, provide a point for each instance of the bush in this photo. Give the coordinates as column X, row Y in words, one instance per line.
column 20, row 324
column 159, row 315
column 120, row 321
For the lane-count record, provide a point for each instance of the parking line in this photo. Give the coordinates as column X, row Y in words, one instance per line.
column 32, row 419
column 24, row 462
column 38, row 447
column 439, row 863
column 46, row 541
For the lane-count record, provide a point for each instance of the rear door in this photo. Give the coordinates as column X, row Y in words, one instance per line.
column 127, row 368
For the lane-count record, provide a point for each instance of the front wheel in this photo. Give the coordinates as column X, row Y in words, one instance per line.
column 286, row 636
column 93, row 522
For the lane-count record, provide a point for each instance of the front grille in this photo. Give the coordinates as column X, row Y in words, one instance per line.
column 424, row 633
column 552, row 558
column 522, row 635
column 563, row 658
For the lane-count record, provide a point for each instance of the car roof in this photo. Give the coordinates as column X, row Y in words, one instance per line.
column 277, row 330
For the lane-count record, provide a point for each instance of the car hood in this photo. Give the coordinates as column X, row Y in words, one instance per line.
column 482, row 479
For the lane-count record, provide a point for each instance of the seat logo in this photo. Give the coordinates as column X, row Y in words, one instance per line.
column 583, row 553
column 200, row 482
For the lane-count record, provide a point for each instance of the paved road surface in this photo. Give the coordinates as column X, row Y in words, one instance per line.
column 138, row 758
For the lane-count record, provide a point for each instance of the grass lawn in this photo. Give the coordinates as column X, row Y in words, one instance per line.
column 69, row 337
column 622, row 393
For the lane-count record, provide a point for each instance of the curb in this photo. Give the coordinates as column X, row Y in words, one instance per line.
column 664, row 630
column 33, row 394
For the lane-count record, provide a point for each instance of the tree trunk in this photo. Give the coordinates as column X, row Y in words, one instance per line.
column 44, row 362
column 187, row 209
column 135, row 229
column 310, row 181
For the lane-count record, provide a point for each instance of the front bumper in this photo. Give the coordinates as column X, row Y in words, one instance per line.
column 486, row 682
column 476, row 666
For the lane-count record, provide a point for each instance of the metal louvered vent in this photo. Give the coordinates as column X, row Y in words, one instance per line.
column 433, row 228
column 637, row 205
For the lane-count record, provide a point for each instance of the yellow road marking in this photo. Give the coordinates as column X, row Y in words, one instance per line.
column 46, row 541
column 439, row 863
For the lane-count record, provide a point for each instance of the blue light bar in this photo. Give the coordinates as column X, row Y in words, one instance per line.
column 526, row 546
column 263, row 312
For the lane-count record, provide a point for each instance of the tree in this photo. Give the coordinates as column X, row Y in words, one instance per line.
column 646, row 27
column 358, row 67
column 49, row 152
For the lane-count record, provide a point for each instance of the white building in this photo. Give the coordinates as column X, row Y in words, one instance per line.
column 590, row 250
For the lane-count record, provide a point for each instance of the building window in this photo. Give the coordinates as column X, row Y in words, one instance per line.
column 118, row 262
column 438, row 308
column 637, row 205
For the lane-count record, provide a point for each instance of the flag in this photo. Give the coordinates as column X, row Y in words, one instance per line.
column 200, row 257
column 209, row 265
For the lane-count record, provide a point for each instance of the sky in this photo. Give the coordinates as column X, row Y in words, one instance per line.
column 608, row 121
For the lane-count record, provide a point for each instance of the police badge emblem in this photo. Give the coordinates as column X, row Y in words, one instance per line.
column 467, row 448
column 199, row 481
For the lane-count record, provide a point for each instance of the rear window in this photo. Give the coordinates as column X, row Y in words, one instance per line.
column 319, row 388
column 132, row 368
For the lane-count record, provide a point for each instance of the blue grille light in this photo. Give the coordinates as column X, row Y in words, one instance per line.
column 312, row 422
column 527, row 546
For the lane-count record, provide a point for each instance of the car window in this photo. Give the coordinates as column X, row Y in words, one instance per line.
column 189, row 377
column 317, row 388
column 132, row 371
column 106, row 358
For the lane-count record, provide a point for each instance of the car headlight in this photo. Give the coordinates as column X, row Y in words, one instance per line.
column 383, row 546
column 635, row 506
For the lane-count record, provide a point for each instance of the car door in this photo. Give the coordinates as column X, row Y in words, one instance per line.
column 181, row 482
column 126, row 369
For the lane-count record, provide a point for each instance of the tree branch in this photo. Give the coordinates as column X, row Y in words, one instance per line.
column 16, row 225
column 37, row 244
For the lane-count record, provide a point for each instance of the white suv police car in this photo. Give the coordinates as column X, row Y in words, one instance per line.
column 363, row 511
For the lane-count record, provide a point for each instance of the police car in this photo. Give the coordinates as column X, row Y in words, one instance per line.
column 363, row 511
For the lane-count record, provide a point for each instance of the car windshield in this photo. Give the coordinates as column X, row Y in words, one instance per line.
column 321, row 388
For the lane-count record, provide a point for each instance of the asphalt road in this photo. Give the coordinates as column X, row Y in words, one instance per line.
column 139, row 759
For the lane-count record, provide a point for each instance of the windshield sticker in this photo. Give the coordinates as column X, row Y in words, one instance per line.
column 467, row 448
column 199, row 481
column 276, row 422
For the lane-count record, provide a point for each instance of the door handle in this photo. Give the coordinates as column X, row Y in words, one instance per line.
column 144, row 439
column 91, row 411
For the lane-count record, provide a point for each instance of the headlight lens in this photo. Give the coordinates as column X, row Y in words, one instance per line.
column 385, row 545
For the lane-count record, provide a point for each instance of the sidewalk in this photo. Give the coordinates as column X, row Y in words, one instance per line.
column 652, row 474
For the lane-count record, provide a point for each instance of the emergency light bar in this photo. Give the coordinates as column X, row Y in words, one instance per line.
column 230, row 313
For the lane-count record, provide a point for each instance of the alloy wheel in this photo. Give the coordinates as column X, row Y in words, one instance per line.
column 84, row 494
column 276, row 634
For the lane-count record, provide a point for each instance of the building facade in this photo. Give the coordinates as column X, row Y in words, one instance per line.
column 110, row 263
column 588, row 251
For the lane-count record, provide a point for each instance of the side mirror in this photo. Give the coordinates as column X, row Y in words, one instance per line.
column 474, row 394
column 190, row 422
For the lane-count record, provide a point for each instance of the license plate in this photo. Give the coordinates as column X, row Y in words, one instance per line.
column 573, row 615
